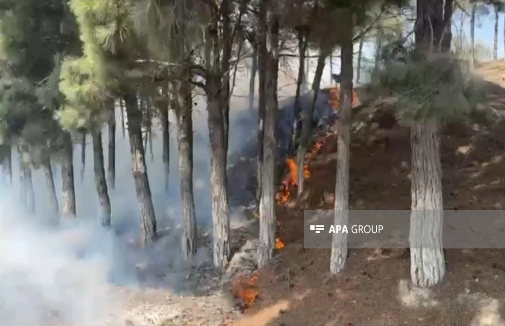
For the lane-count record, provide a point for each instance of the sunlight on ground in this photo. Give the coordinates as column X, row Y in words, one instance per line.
column 413, row 297
column 265, row 316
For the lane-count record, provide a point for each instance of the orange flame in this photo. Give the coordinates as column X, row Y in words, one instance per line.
column 246, row 288
column 278, row 244
column 334, row 98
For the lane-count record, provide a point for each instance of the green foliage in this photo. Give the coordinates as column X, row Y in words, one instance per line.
column 90, row 81
column 428, row 87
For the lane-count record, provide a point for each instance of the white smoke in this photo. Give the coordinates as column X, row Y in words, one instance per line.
column 53, row 277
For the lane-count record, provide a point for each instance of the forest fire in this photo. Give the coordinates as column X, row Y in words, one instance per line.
column 289, row 181
column 245, row 289
column 334, row 98
column 278, row 244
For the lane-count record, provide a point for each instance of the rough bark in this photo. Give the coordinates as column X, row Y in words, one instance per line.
column 339, row 245
column 252, row 80
column 165, row 134
column 220, row 215
column 302, row 50
column 83, row 154
column 51, row 189
column 6, row 165
column 112, row 147
column 100, row 181
column 139, row 171
column 266, row 243
column 495, row 44
column 262, row 62
column 427, row 257
column 68, row 207
column 360, row 54
column 307, row 118
column 185, row 135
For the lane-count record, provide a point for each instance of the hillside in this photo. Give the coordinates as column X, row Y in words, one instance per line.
column 374, row 289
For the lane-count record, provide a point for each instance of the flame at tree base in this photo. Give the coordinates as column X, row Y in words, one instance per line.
column 245, row 289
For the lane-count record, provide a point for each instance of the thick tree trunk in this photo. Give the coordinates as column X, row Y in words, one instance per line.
column 426, row 250
column 302, row 50
column 6, row 165
column 51, row 189
column 266, row 243
column 495, row 44
column 339, row 245
column 68, row 208
column 303, row 142
column 427, row 257
column 219, row 190
column 185, row 129
column 139, row 170
column 83, row 154
column 252, row 79
column 165, row 132
column 112, row 147
column 360, row 55
column 100, row 181
column 262, row 68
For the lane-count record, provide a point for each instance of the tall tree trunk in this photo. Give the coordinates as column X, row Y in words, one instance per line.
column 27, row 189
column 252, row 80
column 495, row 44
column 53, row 200
column 331, row 68
column 219, row 190
column 225, row 70
column 139, row 170
column 185, row 129
column 83, row 154
column 262, row 69
column 360, row 55
column 266, row 243
column 26, row 185
column 68, row 208
column 121, row 107
column 112, row 147
column 6, row 165
column 165, row 133
column 302, row 50
column 339, row 245
column 378, row 48
column 100, row 181
column 472, row 36
column 303, row 142
column 427, row 257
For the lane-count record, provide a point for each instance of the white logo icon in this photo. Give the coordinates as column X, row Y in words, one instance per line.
column 317, row 228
